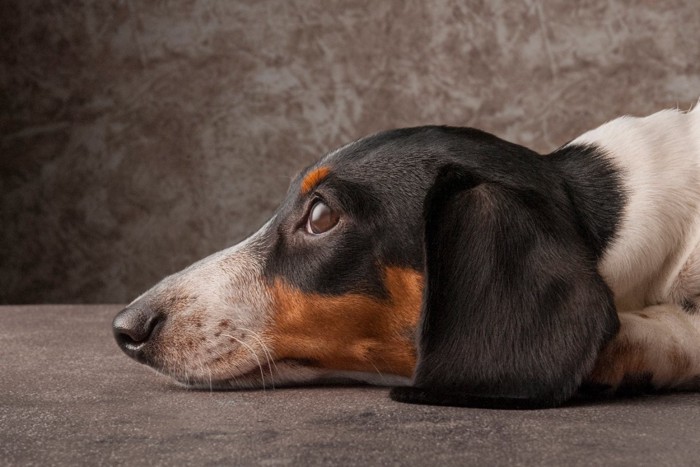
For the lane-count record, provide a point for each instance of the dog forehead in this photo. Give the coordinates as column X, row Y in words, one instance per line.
column 395, row 168
column 386, row 157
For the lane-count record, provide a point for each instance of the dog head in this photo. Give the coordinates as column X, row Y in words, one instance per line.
column 333, row 285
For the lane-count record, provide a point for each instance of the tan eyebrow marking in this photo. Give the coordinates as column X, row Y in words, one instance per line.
column 313, row 178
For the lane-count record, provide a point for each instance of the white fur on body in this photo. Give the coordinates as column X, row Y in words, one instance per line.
column 654, row 259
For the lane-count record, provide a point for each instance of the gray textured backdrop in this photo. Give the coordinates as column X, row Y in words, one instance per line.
column 136, row 137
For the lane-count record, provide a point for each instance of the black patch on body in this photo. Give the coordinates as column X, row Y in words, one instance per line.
column 595, row 188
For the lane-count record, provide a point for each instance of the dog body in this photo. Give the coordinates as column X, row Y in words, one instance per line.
column 466, row 269
column 654, row 259
column 653, row 265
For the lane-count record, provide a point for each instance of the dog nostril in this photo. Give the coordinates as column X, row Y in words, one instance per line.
column 138, row 333
column 134, row 327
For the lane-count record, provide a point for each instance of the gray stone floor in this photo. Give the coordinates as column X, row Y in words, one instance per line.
column 69, row 396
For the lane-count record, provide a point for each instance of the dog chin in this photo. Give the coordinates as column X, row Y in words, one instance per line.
column 282, row 374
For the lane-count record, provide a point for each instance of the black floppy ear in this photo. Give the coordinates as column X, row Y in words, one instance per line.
column 514, row 310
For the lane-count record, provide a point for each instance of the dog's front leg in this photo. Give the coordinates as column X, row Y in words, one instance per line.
column 657, row 348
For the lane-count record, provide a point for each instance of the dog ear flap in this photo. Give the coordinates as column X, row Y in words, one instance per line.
column 514, row 310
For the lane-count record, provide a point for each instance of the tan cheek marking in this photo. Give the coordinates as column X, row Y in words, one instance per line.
column 313, row 178
column 351, row 332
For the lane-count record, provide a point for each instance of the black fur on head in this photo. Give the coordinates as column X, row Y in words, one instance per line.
column 514, row 311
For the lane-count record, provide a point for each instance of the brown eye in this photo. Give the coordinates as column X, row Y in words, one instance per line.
column 321, row 218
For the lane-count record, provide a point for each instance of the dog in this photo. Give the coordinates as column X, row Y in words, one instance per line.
column 460, row 268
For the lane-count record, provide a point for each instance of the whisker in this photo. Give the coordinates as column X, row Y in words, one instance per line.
column 197, row 367
column 218, row 355
column 262, row 376
column 381, row 375
column 204, row 367
column 270, row 361
column 187, row 378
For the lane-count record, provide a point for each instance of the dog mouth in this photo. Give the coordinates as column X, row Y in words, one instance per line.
column 270, row 374
column 271, row 366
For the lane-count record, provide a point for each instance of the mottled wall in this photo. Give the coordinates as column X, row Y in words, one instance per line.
column 138, row 136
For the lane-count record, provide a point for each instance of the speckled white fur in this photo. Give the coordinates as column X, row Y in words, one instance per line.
column 227, row 285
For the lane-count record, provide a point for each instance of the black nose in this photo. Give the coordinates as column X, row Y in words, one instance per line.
column 134, row 327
